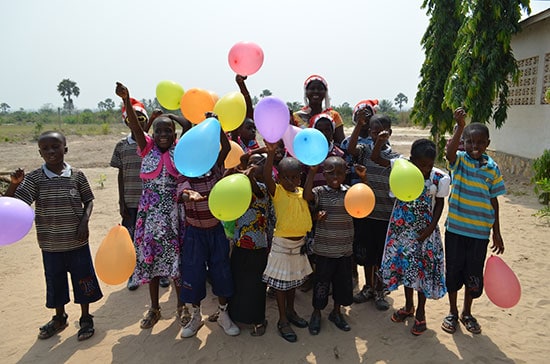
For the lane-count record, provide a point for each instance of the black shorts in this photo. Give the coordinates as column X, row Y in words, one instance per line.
column 335, row 272
column 464, row 262
column 369, row 241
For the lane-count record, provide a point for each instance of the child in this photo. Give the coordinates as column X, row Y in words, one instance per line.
column 286, row 267
column 156, row 237
column 413, row 255
column 315, row 91
column 245, row 134
column 473, row 211
column 371, row 235
column 206, row 245
column 249, row 254
column 333, row 246
column 63, row 205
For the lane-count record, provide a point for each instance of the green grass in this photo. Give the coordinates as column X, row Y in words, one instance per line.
column 10, row 133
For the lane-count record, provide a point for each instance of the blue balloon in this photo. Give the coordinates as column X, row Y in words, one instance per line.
column 198, row 149
column 310, row 146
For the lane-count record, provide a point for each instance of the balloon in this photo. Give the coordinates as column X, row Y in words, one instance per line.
column 311, row 146
column 16, row 218
column 245, row 58
column 271, row 117
column 198, row 149
column 229, row 228
column 169, row 94
column 231, row 110
column 115, row 259
column 288, row 138
column 195, row 103
column 359, row 200
column 233, row 159
column 501, row 284
column 406, row 180
column 214, row 95
column 230, row 197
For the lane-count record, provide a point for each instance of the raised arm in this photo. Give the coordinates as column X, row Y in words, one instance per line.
column 361, row 118
column 124, row 94
column 15, row 180
column 244, row 91
column 452, row 146
column 226, row 147
column 376, row 156
column 268, row 167
column 308, row 185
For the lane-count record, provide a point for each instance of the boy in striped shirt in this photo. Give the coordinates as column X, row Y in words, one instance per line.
column 473, row 212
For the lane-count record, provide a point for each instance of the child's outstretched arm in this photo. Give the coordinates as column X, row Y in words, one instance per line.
column 16, row 178
column 268, row 168
column 133, row 123
column 452, row 146
column 308, row 185
column 361, row 172
column 362, row 117
column 226, row 147
column 83, row 229
column 183, row 122
column 155, row 114
column 438, row 210
column 376, row 156
column 498, row 243
column 244, row 91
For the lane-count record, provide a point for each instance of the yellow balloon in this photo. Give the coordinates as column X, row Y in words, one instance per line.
column 230, row 197
column 195, row 103
column 359, row 200
column 231, row 110
column 406, row 180
column 115, row 259
column 169, row 94
column 233, row 158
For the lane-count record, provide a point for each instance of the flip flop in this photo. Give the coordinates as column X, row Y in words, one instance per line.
column 259, row 329
column 402, row 314
column 419, row 327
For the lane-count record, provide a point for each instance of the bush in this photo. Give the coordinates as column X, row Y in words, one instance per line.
column 541, row 177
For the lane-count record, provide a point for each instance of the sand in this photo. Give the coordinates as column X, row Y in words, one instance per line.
column 515, row 335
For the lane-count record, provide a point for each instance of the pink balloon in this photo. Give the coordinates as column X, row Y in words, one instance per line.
column 271, row 117
column 501, row 284
column 16, row 218
column 288, row 138
column 246, row 58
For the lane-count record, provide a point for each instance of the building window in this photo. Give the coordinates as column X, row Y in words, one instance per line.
column 524, row 92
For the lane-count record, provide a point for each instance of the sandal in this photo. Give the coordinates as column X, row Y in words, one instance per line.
column 419, row 327
column 54, row 326
column 402, row 314
column 86, row 330
column 183, row 315
column 259, row 329
column 286, row 332
column 150, row 319
column 450, row 322
column 471, row 324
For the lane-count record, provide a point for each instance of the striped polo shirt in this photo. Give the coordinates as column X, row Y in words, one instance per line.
column 127, row 160
column 474, row 185
column 333, row 235
column 378, row 179
column 59, row 206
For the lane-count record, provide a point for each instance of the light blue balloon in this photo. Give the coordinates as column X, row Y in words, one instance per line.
column 198, row 149
column 310, row 146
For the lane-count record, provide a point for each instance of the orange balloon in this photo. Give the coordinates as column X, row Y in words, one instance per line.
column 115, row 259
column 233, row 158
column 195, row 103
column 359, row 201
column 214, row 95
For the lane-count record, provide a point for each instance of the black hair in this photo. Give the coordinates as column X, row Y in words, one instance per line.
column 476, row 127
column 53, row 134
column 423, row 148
column 164, row 117
column 319, row 81
column 336, row 161
column 381, row 119
column 289, row 164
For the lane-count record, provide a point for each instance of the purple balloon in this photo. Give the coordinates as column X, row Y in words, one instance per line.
column 271, row 117
column 16, row 218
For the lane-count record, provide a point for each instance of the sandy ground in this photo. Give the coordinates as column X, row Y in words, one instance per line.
column 516, row 335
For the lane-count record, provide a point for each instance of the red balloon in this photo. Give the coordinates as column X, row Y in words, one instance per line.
column 245, row 58
column 501, row 283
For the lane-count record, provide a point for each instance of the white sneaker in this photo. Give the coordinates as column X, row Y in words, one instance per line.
column 193, row 325
column 225, row 322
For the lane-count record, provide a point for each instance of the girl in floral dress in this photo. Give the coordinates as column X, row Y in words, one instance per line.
column 156, row 238
column 413, row 254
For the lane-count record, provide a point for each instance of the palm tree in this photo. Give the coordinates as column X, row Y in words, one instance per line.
column 4, row 108
column 68, row 88
column 400, row 99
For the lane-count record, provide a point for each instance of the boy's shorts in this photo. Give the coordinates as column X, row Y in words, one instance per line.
column 464, row 261
column 78, row 262
column 335, row 271
column 369, row 241
column 202, row 249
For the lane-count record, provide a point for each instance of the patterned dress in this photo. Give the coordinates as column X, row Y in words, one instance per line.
column 156, row 239
column 406, row 261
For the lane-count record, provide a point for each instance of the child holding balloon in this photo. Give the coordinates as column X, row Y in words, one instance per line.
column 413, row 254
column 156, row 237
column 63, row 204
column 333, row 246
column 473, row 213
column 286, row 267
column 206, row 245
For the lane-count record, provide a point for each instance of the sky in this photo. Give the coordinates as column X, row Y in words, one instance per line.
column 365, row 49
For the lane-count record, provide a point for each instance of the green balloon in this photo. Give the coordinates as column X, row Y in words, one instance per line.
column 230, row 197
column 169, row 94
column 406, row 180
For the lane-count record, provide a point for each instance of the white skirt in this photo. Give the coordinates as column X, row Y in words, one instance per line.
column 285, row 263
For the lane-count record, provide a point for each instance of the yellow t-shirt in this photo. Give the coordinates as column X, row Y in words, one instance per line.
column 292, row 213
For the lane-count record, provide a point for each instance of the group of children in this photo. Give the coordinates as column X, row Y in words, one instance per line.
column 296, row 227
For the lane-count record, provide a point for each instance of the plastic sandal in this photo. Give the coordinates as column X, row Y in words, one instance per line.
column 54, row 326
column 450, row 322
column 419, row 327
column 86, row 330
column 402, row 314
column 150, row 319
column 471, row 324
column 259, row 329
